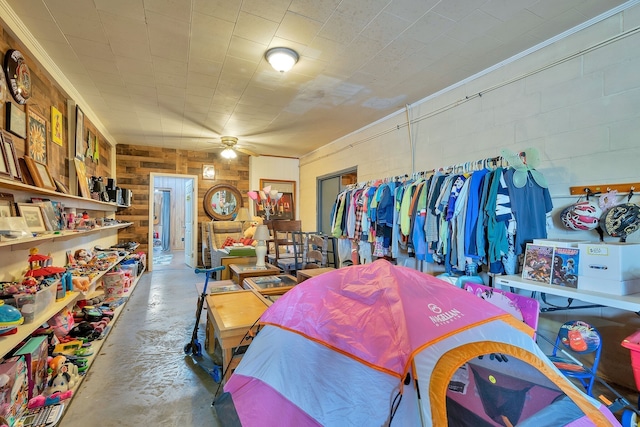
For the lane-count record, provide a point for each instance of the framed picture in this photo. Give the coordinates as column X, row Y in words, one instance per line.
column 36, row 136
column 286, row 205
column 12, row 157
column 80, row 143
column 4, row 163
column 83, row 182
column 5, row 209
column 16, row 120
column 7, row 205
column 49, row 214
column 40, row 174
column 208, row 172
column 94, row 148
column 56, row 126
column 33, row 216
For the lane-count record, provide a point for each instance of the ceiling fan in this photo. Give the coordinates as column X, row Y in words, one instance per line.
column 230, row 148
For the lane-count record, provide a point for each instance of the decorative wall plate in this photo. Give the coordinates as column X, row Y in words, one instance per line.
column 18, row 76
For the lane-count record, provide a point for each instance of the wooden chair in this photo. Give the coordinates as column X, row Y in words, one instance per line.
column 285, row 249
column 314, row 249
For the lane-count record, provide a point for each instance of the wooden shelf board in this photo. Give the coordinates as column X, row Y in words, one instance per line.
column 63, row 235
column 9, row 342
column 20, row 186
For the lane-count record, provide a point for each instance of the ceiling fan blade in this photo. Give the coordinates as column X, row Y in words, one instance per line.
column 247, row 152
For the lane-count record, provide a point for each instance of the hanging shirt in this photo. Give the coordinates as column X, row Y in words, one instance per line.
column 481, row 229
column 530, row 206
column 431, row 221
column 496, row 231
column 473, row 213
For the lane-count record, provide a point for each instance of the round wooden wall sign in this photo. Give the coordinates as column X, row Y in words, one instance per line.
column 18, row 76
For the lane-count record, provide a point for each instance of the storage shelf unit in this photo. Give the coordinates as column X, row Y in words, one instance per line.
column 23, row 191
column 9, row 342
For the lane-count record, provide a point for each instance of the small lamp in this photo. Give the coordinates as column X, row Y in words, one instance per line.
column 242, row 216
column 261, row 235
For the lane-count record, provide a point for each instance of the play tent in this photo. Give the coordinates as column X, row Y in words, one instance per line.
column 378, row 344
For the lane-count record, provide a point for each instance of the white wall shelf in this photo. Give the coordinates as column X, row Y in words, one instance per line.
column 61, row 235
column 622, row 302
column 77, row 201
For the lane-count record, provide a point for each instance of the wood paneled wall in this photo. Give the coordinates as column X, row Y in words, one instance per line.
column 44, row 95
column 134, row 165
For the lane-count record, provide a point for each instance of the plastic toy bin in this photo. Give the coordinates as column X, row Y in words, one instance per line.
column 632, row 342
column 45, row 297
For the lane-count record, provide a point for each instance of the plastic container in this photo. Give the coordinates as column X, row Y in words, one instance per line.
column 26, row 303
column 632, row 342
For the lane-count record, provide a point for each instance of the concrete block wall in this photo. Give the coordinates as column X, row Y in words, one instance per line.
column 576, row 100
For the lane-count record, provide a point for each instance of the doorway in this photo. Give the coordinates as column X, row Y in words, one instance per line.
column 329, row 186
column 172, row 204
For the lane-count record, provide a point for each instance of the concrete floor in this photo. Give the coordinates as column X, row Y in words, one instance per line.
column 141, row 375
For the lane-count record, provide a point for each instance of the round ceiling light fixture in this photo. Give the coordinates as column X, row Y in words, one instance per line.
column 228, row 153
column 228, row 142
column 282, row 58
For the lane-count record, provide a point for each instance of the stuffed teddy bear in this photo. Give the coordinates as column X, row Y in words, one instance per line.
column 249, row 232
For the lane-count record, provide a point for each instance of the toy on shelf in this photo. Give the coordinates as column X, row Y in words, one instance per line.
column 10, row 318
column 40, row 265
column 82, row 256
column 41, row 400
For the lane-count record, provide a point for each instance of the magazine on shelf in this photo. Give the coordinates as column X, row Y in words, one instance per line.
column 538, row 261
column 565, row 267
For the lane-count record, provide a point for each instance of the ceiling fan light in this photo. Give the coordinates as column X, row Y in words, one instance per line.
column 228, row 153
column 282, row 58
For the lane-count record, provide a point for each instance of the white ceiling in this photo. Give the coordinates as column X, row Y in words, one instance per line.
column 182, row 73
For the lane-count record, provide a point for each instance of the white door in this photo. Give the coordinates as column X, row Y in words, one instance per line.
column 189, row 256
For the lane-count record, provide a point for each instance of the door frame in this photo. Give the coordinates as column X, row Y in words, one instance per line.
column 194, row 220
column 320, row 202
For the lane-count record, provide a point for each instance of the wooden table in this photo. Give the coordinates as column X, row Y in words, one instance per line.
column 239, row 272
column 286, row 282
column 231, row 314
column 303, row 275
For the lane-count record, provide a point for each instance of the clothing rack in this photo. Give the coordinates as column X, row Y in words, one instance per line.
column 489, row 162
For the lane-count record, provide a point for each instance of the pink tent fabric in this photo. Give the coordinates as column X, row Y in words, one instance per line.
column 409, row 307
column 340, row 349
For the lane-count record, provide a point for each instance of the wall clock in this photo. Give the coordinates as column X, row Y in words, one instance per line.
column 18, row 76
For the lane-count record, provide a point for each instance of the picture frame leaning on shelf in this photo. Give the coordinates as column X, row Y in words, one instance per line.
column 33, row 216
column 12, row 157
column 40, row 174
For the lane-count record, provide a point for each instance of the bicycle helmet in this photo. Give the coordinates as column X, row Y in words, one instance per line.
column 621, row 220
column 581, row 216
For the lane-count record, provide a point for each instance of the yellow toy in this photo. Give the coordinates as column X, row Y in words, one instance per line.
column 249, row 232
